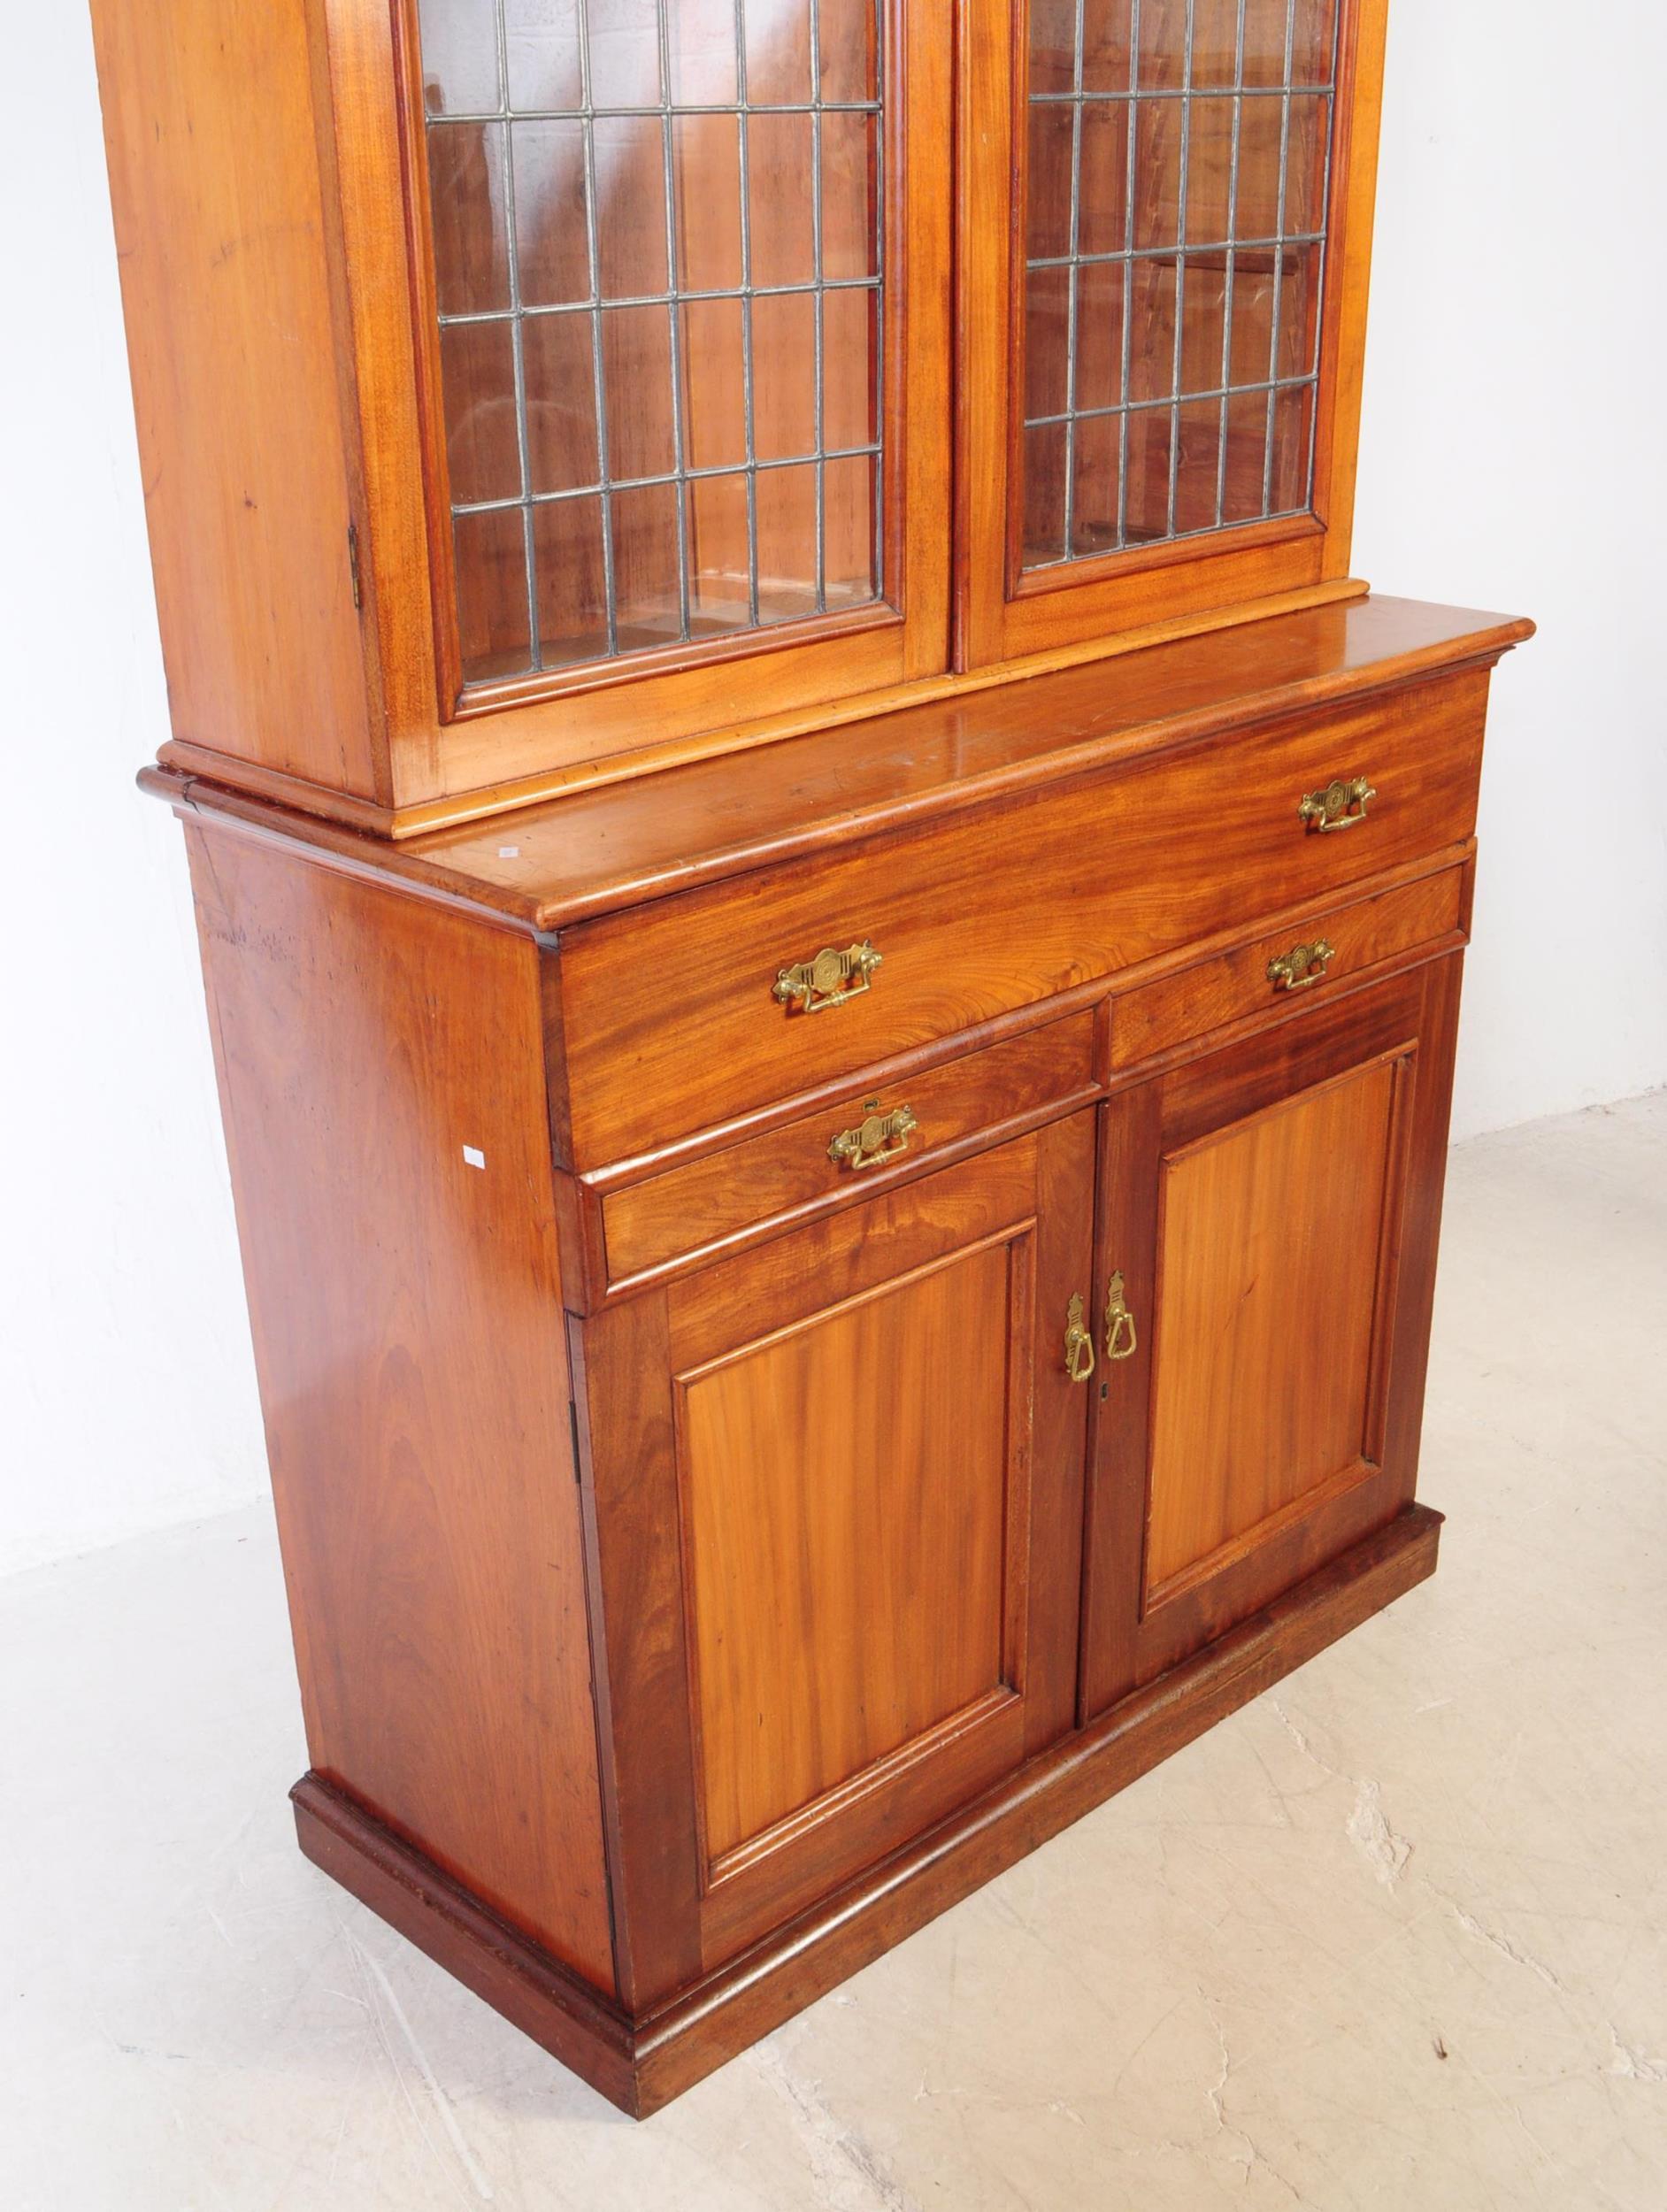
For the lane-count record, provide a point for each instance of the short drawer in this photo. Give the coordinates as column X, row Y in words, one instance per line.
column 1286, row 968
column 857, row 1146
column 707, row 1006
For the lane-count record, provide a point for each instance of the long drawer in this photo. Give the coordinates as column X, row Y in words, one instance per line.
column 710, row 1005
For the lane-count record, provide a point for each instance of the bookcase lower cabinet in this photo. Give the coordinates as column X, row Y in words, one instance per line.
column 763, row 1436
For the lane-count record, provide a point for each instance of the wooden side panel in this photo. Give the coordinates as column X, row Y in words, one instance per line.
column 1269, row 1251
column 408, row 1339
column 210, row 130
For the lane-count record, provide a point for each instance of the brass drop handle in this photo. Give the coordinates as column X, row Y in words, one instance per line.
column 1342, row 805
column 877, row 1139
column 830, row 979
column 1080, row 1354
column 1120, row 1339
column 1303, row 966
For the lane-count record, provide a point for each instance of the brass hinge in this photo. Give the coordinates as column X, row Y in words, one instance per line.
column 353, row 564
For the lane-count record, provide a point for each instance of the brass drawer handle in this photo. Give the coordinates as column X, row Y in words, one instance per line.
column 1120, row 1340
column 830, row 979
column 1342, row 805
column 1302, row 967
column 1080, row 1354
column 877, row 1141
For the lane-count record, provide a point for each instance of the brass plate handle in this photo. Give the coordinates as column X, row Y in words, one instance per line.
column 1342, row 805
column 1079, row 1343
column 832, row 978
column 876, row 1141
column 1120, row 1339
column 1302, row 967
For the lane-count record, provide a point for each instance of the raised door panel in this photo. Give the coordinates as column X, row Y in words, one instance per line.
column 1271, row 1234
column 1270, row 1212
column 836, row 1490
column 848, row 1487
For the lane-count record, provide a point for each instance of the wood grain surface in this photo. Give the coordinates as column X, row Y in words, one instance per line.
column 237, row 364
column 413, row 1378
column 669, row 1018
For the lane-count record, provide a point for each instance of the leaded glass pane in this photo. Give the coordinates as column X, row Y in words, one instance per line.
column 1178, row 156
column 657, row 234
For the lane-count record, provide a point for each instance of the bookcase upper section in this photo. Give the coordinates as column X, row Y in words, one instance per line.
column 532, row 392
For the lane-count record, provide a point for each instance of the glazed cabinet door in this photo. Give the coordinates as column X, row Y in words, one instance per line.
column 1267, row 1262
column 835, row 1486
column 1167, row 220
column 664, row 254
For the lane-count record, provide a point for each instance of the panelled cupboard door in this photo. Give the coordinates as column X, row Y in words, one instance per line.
column 667, row 263
column 837, row 1492
column 1167, row 211
column 1266, row 1266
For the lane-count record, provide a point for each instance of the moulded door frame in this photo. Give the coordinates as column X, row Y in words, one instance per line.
column 374, row 161
column 1407, row 1024
column 1000, row 617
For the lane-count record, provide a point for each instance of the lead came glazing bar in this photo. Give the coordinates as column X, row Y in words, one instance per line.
column 518, row 349
column 1132, row 179
column 1187, row 399
column 1070, row 500
column 818, row 395
column 1232, row 271
column 1279, row 254
column 530, row 312
column 591, row 491
column 1180, row 267
column 748, row 398
column 594, row 251
column 1146, row 253
column 675, row 316
column 686, row 476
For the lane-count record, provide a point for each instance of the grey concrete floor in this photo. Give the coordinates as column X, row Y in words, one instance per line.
column 1395, row 1936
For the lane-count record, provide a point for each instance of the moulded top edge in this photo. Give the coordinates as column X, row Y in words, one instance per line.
column 555, row 863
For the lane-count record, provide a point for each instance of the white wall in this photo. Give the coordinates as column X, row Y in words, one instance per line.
column 127, row 1387
column 1513, row 459
column 1514, row 455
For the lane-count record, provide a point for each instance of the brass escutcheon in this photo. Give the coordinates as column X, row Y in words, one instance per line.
column 1302, row 966
column 1342, row 805
column 876, row 1141
column 1079, row 1342
column 1120, row 1340
column 830, row 979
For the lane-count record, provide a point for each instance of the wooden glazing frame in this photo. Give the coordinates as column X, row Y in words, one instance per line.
column 442, row 740
column 1002, row 614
